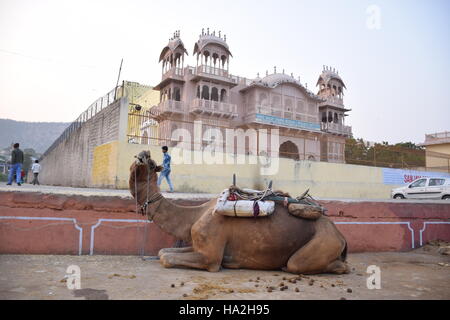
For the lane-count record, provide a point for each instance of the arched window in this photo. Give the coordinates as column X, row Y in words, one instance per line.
column 206, row 54
column 198, row 92
column 276, row 101
column 215, row 57
column 330, row 116
column 336, row 120
column 288, row 105
column 300, row 106
column 214, row 94
column 324, row 117
column 224, row 60
column 173, row 141
column 263, row 99
column 289, row 150
column 223, row 95
column 205, row 93
column 177, row 94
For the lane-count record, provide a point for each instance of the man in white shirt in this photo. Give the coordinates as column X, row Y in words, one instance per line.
column 36, row 168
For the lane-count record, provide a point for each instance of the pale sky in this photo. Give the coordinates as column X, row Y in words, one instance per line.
column 57, row 57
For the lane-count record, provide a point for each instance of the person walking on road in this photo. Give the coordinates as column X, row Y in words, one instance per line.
column 16, row 165
column 165, row 173
column 36, row 168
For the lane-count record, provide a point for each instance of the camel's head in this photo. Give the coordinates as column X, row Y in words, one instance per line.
column 143, row 176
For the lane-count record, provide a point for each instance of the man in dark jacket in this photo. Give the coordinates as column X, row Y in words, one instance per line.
column 16, row 165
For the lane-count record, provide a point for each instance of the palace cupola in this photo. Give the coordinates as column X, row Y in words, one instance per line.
column 330, row 84
column 332, row 110
column 172, row 60
column 212, row 51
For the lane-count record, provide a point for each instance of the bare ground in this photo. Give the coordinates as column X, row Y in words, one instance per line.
column 421, row 274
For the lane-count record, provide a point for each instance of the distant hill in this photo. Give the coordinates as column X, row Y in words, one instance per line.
column 36, row 135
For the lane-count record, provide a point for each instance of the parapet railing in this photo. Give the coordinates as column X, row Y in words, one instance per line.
column 98, row 105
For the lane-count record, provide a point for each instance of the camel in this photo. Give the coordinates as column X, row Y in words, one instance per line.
column 279, row 241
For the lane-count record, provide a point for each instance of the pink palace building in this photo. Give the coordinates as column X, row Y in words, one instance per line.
column 311, row 126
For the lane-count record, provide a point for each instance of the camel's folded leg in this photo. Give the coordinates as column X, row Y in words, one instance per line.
column 317, row 256
column 191, row 260
column 175, row 250
column 322, row 254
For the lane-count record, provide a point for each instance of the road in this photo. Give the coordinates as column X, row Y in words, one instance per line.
column 421, row 274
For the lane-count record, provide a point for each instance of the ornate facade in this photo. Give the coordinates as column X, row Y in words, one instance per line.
column 311, row 126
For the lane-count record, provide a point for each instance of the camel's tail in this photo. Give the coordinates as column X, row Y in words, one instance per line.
column 343, row 256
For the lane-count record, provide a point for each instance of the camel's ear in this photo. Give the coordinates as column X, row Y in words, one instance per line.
column 158, row 168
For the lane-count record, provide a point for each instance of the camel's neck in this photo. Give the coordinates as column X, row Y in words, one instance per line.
column 176, row 220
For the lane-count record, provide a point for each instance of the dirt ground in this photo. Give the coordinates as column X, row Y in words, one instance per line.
column 420, row 274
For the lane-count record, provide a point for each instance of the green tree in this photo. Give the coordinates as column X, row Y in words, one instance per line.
column 400, row 155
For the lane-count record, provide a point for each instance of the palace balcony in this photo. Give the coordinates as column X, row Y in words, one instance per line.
column 213, row 108
column 168, row 108
column 176, row 73
column 173, row 74
column 336, row 128
column 335, row 103
column 215, row 74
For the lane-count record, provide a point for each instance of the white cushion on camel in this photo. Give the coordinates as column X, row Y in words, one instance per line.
column 242, row 208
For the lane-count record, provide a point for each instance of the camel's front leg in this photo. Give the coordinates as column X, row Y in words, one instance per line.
column 175, row 250
column 191, row 260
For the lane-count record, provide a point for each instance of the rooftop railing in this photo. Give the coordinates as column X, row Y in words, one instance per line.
column 97, row 106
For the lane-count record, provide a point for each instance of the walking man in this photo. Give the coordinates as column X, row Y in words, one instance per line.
column 165, row 173
column 36, row 168
column 16, row 165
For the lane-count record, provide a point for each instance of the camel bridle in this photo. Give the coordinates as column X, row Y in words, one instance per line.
column 153, row 199
column 156, row 196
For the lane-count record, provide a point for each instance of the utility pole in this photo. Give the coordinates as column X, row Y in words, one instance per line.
column 118, row 77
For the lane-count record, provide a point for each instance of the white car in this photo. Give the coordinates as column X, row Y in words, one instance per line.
column 424, row 188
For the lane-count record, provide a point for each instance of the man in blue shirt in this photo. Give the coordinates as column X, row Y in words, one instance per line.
column 165, row 173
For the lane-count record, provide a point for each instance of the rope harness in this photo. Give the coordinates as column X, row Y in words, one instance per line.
column 150, row 200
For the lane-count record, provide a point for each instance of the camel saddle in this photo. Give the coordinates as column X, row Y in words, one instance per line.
column 239, row 202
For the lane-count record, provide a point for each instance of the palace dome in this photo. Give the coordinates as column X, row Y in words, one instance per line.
column 327, row 75
column 174, row 43
column 273, row 80
column 210, row 39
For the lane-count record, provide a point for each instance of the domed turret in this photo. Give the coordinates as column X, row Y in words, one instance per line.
column 173, row 54
column 212, row 50
column 330, row 83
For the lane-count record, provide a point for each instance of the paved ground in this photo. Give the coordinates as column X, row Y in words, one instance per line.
column 422, row 274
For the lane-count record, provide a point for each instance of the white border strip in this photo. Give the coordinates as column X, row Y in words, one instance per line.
column 80, row 239
column 91, row 250
column 425, row 226
column 381, row 222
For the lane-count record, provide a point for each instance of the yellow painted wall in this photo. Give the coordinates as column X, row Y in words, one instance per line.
column 141, row 95
column 104, row 165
